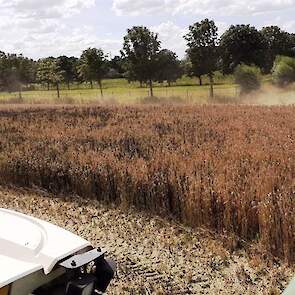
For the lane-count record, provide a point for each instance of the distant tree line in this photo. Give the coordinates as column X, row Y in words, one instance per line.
column 238, row 48
column 142, row 59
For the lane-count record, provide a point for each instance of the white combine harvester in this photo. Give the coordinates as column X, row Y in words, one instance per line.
column 39, row 258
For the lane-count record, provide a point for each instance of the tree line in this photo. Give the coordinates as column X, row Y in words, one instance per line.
column 143, row 59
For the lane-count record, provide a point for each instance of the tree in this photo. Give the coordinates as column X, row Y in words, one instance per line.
column 141, row 48
column 27, row 70
column 202, row 42
column 169, row 67
column 278, row 42
column 49, row 72
column 292, row 42
column 248, row 77
column 187, row 67
column 43, row 74
column 93, row 66
column 16, row 71
column 242, row 44
column 116, row 65
column 283, row 72
column 68, row 66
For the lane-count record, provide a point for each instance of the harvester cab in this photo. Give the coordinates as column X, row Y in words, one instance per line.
column 37, row 258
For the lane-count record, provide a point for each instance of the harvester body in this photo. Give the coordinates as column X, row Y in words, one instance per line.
column 37, row 257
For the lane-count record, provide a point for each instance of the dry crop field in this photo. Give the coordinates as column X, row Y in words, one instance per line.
column 156, row 255
column 230, row 169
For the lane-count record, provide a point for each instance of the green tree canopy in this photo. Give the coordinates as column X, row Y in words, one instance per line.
column 68, row 66
column 93, row 66
column 117, row 66
column 140, row 50
column 202, row 42
column 242, row 44
column 15, row 71
column 49, row 72
column 169, row 67
column 278, row 42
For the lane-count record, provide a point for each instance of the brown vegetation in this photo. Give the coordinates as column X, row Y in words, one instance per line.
column 228, row 168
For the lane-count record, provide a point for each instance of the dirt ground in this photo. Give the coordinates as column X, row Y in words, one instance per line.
column 155, row 256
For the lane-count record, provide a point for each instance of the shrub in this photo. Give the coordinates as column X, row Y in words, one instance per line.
column 248, row 77
column 283, row 72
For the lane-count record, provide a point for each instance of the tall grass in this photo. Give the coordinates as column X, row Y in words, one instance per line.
column 228, row 168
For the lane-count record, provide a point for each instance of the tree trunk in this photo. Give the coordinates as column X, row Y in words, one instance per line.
column 20, row 97
column 68, row 85
column 57, row 90
column 141, row 84
column 91, row 84
column 200, row 80
column 48, row 88
column 211, row 85
column 151, row 88
column 169, row 83
column 100, row 87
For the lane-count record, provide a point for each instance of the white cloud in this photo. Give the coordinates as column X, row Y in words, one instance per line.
column 171, row 36
column 55, row 39
column 282, row 22
column 43, row 9
column 289, row 26
column 200, row 7
column 122, row 7
column 38, row 28
column 222, row 27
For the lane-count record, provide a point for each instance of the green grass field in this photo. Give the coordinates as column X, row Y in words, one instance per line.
column 120, row 91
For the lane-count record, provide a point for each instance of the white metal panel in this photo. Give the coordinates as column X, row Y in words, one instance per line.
column 291, row 289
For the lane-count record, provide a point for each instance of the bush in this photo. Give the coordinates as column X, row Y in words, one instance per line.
column 248, row 77
column 283, row 72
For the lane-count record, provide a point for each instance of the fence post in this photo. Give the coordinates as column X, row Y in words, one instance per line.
column 237, row 91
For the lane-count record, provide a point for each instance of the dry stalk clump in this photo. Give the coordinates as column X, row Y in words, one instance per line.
column 228, row 168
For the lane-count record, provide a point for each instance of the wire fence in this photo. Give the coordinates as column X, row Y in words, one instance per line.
column 187, row 94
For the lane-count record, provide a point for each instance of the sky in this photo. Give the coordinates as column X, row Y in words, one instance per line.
column 40, row 28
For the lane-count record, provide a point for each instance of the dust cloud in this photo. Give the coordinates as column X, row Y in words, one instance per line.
column 271, row 95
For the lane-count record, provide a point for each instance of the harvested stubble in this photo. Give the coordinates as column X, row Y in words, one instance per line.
column 228, row 168
column 175, row 260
